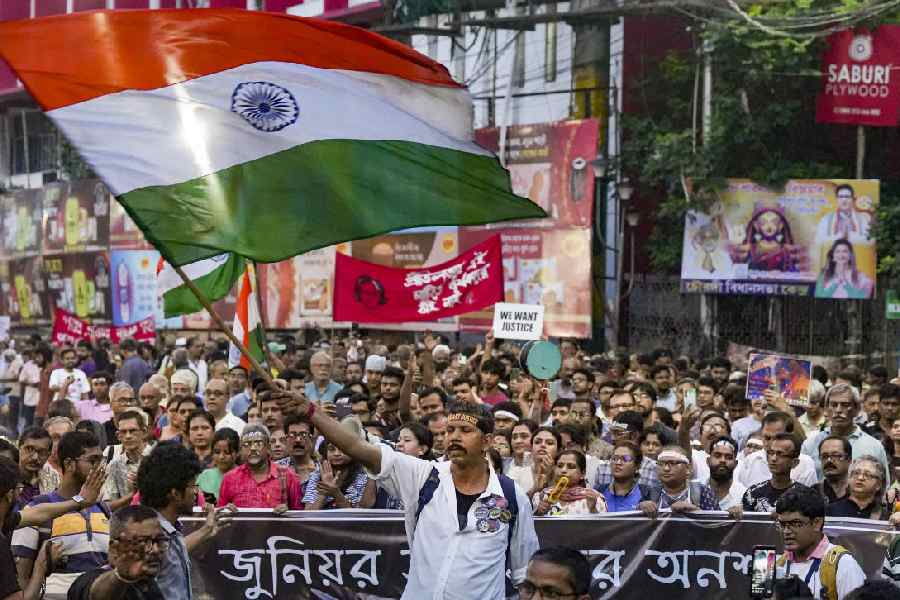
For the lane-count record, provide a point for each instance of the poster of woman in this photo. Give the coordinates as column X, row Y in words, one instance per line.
column 840, row 277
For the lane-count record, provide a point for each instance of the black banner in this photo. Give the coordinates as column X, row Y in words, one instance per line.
column 364, row 556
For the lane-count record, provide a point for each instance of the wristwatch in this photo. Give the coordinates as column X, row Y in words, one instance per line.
column 79, row 500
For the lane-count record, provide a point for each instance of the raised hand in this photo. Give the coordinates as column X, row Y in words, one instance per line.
column 93, row 485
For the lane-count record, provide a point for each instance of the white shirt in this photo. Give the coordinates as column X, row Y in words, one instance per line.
column 849, row 574
column 700, row 466
column 75, row 391
column 754, row 469
column 446, row 563
column 200, row 369
column 30, row 373
column 232, row 422
column 734, row 497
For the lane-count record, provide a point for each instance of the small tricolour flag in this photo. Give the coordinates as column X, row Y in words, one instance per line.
column 261, row 134
column 215, row 277
column 247, row 325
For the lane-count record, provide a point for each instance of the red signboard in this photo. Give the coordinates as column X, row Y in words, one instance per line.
column 370, row 293
column 861, row 78
column 68, row 329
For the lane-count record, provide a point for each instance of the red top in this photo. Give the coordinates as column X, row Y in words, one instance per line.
column 281, row 486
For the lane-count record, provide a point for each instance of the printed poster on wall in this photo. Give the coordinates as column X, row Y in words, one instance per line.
column 410, row 249
column 20, row 223
column 25, row 290
column 134, row 293
column 123, row 233
column 298, row 291
column 547, row 267
column 76, row 216
column 550, row 163
column 79, row 284
column 812, row 239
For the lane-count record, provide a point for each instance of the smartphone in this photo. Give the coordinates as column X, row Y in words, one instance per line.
column 690, row 399
column 762, row 577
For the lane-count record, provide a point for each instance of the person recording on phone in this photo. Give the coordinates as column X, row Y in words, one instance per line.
column 824, row 568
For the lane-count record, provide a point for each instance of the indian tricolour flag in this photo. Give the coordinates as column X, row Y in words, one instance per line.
column 261, row 134
column 213, row 276
column 247, row 327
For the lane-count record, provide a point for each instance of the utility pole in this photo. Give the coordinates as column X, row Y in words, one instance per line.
column 590, row 71
column 709, row 303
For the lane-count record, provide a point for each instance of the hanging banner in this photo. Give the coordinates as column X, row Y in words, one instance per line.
column 76, row 216
column 365, row 292
column 348, row 554
column 860, row 78
column 812, row 239
column 25, row 290
column 68, row 329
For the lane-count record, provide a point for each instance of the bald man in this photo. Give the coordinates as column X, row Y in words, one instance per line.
column 322, row 388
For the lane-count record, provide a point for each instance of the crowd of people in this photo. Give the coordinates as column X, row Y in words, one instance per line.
column 103, row 448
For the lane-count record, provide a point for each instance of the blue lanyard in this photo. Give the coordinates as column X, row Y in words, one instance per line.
column 813, row 569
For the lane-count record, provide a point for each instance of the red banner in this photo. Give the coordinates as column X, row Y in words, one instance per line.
column 365, row 292
column 68, row 329
column 861, row 78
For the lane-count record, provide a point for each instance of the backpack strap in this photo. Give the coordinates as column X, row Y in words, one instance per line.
column 828, row 571
column 426, row 492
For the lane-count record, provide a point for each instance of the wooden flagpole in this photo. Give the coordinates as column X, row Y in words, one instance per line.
column 221, row 324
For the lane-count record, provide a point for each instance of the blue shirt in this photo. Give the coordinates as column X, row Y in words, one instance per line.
column 312, row 392
column 239, row 404
column 174, row 577
column 616, row 503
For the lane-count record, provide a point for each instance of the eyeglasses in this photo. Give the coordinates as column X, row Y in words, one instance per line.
column 161, row 542
column 527, row 590
column 837, row 457
column 867, row 475
column 621, row 459
column 792, row 525
column 253, row 444
column 299, row 434
column 670, row 464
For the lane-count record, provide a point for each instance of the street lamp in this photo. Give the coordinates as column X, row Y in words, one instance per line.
column 625, row 189
column 632, row 217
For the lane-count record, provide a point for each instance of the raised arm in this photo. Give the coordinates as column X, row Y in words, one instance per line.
column 406, row 390
column 90, row 491
column 367, row 454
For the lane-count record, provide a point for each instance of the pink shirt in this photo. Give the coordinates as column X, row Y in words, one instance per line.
column 92, row 410
column 281, row 486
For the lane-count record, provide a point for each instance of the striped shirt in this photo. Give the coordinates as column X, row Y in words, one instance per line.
column 84, row 535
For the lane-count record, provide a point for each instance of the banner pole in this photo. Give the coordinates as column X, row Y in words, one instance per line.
column 221, row 324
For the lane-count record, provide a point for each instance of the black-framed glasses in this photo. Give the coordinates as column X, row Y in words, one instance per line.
column 295, row 435
column 792, row 525
column 161, row 542
column 527, row 591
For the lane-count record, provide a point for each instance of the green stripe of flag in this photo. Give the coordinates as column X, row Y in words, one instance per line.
column 215, row 285
column 322, row 193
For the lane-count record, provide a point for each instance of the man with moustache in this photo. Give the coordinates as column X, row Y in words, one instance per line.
column 466, row 524
column 722, row 462
column 835, row 453
column 258, row 482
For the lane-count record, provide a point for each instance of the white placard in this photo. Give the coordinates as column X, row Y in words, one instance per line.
column 518, row 321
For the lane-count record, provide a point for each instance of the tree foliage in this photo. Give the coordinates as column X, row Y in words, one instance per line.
column 762, row 127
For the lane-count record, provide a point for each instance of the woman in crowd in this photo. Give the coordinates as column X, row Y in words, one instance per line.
column 653, row 440
column 340, row 482
column 518, row 468
column 172, row 428
column 201, row 429
column 225, row 453
column 545, row 446
column 569, row 496
column 502, row 443
column 414, row 439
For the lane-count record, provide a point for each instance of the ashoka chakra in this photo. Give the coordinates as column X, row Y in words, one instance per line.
column 266, row 106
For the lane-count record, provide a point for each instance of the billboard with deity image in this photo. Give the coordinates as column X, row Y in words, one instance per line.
column 814, row 238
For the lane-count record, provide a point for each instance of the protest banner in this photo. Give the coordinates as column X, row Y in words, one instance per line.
column 370, row 293
column 68, row 329
column 354, row 555
column 518, row 321
column 25, row 290
column 858, row 87
column 786, row 375
column 812, row 239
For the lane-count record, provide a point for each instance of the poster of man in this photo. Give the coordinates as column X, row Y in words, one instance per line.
column 814, row 238
column 787, row 376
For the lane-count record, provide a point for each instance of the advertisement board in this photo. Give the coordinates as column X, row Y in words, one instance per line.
column 79, row 284
column 75, row 216
column 123, row 233
column 814, row 238
column 25, row 290
column 20, row 223
column 858, row 85
column 133, row 289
